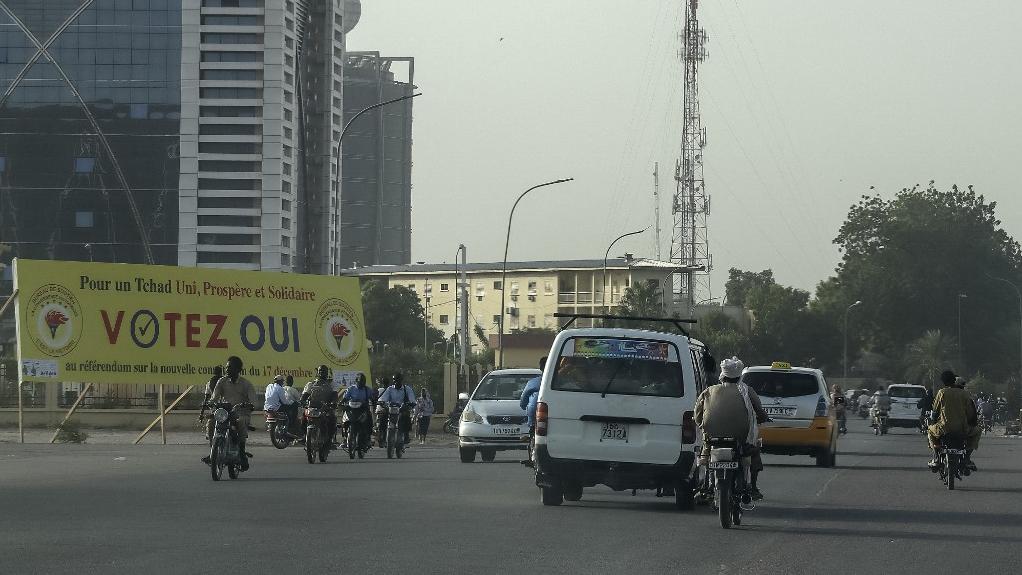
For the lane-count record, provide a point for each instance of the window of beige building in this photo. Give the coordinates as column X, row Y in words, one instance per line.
column 444, row 320
column 531, row 321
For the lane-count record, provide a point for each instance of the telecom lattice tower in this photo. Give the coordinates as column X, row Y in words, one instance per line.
column 689, row 243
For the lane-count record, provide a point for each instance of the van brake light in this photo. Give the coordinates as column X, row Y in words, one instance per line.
column 688, row 428
column 542, row 416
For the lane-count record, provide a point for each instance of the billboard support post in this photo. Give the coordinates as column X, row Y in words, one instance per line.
column 71, row 412
column 163, row 413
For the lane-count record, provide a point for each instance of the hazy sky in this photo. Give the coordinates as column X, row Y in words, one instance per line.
column 806, row 105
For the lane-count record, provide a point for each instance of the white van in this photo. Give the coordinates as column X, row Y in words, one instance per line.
column 905, row 410
column 616, row 407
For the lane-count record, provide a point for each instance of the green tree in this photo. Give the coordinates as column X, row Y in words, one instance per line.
column 741, row 283
column 642, row 299
column 927, row 357
column 394, row 316
column 909, row 257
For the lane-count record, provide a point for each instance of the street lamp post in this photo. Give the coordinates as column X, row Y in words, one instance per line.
column 603, row 295
column 344, row 130
column 1018, row 292
column 503, row 272
column 859, row 302
column 961, row 363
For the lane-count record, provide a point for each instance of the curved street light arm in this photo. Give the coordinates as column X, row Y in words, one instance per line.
column 503, row 272
column 603, row 288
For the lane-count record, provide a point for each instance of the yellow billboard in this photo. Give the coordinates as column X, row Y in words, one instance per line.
column 125, row 323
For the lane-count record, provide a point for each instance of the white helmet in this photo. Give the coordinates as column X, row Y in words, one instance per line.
column 731, row 368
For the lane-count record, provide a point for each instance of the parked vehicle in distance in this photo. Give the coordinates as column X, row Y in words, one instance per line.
column 493, row 420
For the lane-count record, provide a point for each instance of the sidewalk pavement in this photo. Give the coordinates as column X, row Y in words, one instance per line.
column 127, row 437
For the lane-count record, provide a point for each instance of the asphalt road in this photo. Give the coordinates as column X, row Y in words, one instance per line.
column 123, row 509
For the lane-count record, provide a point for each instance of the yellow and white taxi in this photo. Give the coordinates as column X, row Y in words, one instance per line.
column 796, row 398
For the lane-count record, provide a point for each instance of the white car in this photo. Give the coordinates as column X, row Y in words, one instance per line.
column 493, row 420
column 616, row 408
column 905, row 410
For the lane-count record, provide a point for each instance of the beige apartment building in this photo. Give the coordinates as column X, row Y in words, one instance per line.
column 536, row 290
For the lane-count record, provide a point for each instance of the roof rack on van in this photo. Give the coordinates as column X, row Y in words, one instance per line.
column 674, row 320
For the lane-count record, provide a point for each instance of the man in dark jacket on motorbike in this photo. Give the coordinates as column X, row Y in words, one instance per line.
column 321, row 391
column 236, row 390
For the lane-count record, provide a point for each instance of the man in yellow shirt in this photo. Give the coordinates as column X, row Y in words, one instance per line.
column 954, row 413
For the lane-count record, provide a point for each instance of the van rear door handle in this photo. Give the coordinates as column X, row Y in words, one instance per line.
column 613, row 419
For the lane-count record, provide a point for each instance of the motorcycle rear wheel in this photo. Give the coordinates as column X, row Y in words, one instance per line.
column 216, row 458
column 724, row 501
column 233, row 471
column 390, row 445
column 951, row 467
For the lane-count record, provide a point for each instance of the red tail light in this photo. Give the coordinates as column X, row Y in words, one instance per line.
column 542, row 416
column 688, row 428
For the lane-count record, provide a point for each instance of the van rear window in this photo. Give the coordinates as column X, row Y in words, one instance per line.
column 909, row 392
column 618, row 366
column 781, row 383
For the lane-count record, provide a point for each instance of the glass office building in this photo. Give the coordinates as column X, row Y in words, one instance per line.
column 89, row 129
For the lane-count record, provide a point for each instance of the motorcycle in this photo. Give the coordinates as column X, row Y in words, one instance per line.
column 396, row 437
column 880, row 423
column 863, row 411
column 279, row 425
column 382, row 416
column 986, row 424
column 924, row 421
column 360, row 426
column 842, row 421
column 317, row 436
column 225, row 447
column 951, row 457
column 727, row 472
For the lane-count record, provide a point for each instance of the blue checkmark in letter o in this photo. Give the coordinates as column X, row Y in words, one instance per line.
column 147, row 327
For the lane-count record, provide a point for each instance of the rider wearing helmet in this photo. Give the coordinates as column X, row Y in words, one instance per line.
column 321, row 391
column 732, row 409
column 403, row 395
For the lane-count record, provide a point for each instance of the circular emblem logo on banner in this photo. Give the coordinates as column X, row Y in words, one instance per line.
column 54, row 319
column 338, row 332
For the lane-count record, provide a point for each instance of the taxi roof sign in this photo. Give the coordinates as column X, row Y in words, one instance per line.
column 780, row 365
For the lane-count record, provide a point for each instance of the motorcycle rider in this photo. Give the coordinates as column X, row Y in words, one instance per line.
column 293, row 403
column 838, row 399
column 529, row 399
column 954, row 413
column 881, row 405
column 218, row 372
column 360, row 392
column 319, row 392
column 864, row 400
column 732, row 409
column 401, row 394
column 235, row 389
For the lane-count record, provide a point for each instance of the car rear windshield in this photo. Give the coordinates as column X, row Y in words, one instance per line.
column 781, row 383
column 497, row 387
column 910, row 392
column 618, row 366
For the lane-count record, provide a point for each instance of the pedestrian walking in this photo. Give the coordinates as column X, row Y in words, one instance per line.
column 424, row 412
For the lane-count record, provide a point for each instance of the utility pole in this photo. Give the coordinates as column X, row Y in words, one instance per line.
column 656, row 208
column 691, row 205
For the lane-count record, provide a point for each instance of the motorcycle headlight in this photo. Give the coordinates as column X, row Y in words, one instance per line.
column 470, row 416
column 221, row 415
